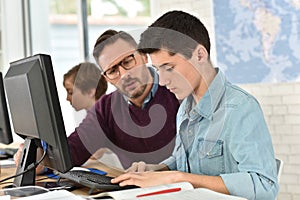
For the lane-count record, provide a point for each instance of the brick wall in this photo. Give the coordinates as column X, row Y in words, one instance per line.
column 281, row 105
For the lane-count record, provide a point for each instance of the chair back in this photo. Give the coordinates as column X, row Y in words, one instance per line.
column 279, row 164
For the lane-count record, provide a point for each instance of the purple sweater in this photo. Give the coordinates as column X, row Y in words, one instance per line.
column 133, row 133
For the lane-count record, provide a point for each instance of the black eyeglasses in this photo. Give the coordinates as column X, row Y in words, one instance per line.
column 127, row 63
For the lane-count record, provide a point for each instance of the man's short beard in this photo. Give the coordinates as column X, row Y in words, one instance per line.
column 137, row 94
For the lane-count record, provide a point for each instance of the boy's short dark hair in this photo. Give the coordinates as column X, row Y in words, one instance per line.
column 177, row 32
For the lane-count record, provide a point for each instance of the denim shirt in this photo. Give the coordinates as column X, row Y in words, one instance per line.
column 226, row 135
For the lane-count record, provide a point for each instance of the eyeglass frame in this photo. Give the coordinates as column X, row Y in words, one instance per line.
column 117, row 66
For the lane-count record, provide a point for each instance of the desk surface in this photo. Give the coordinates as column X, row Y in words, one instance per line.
column 6, row 172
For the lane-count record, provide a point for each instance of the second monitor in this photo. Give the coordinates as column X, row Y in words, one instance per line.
column 5, row 130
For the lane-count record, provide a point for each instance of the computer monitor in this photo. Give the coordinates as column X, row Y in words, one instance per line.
column 36, row 115
column 5, row 129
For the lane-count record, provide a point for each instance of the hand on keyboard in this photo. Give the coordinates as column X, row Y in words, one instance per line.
column 92, row 180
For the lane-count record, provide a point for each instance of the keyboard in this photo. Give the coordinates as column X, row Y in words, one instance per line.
column 92, row 180
column 6, row 153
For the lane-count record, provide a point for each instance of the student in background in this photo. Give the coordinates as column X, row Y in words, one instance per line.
column 84, row 85
column 222, row 141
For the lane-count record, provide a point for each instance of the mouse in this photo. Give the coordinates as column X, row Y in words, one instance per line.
column 80, row 168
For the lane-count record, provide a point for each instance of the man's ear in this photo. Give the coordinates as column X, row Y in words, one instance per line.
column 92, row 92
column 201, row 53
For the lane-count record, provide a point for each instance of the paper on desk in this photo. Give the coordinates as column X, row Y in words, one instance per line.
column 5, row 197
column 8, row 163
column 54, row 195
column 194, row 194
column 134, row 193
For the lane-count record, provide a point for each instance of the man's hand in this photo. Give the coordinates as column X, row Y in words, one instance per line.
column 18, row 154
column 143, row 167
column 147, row 179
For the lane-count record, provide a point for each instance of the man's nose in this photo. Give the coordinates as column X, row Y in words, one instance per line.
column 124, row 73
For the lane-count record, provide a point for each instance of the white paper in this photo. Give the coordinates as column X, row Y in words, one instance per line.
column 194, row 194
column 54, row 195
column 8, row 163
column 132, row 193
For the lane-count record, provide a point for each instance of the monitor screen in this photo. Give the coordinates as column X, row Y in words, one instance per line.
column 5, row 129
column 36, row 115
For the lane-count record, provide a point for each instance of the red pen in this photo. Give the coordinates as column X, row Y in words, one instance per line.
column 159, row 192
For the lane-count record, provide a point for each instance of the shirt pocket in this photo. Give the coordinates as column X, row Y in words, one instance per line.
column 211, row 157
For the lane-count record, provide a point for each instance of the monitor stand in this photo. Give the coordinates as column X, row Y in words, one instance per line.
column 28, row 157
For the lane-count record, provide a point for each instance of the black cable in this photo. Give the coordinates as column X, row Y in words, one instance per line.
column 30, row 167
column 2, row 183
column 44, row 178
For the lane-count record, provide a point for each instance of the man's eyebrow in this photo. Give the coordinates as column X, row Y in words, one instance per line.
column 120, row 61
column 163, row 65
column 114, row 66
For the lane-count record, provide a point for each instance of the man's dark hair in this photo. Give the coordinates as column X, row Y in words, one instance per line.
column 176, row 32
column 109, row 37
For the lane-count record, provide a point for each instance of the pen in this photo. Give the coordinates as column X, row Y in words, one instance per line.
column 160, row 192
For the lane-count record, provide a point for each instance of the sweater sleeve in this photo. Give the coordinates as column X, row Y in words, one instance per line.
column 87, row 138
column 78, row 151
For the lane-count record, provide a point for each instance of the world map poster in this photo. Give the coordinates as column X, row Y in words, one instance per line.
column 258, row 40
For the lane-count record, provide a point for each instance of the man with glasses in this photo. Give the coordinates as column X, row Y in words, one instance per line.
column 138, row 120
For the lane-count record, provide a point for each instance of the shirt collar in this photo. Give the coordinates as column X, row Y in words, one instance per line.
column 153, row 89
column 211, row 99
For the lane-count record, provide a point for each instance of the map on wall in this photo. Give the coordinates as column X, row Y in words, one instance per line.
column 258, row 41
